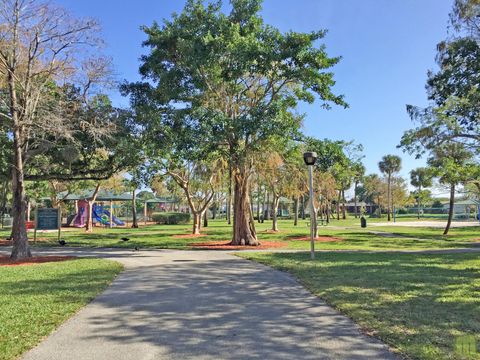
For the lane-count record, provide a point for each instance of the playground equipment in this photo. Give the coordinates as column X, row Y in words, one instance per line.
column 103, row 216
column 81, row 217
column 99, row 214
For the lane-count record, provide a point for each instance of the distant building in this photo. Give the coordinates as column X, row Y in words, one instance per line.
column 465, row 208
column 361, row 205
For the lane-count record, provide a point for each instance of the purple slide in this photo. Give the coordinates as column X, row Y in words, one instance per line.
column 81, row 217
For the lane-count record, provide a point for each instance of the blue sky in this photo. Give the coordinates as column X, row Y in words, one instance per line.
column 387, row 46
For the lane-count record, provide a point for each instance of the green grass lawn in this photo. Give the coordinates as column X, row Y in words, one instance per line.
column 35, row 299
column 355, row 238
column 419, row 304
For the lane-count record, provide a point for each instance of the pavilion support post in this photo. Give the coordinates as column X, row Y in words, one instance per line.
column 145, row 212
column 111, row 215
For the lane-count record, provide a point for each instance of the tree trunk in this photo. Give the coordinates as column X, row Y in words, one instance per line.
column 251, row 202
column 263, row 204
column 89, row 225
column 3, row 204
column 313, row 219
column 21, row 249
column 134, row 210
column 197, row 219
column 243, row 224
column 267, row 210
column 388, row 197
column 450, row 210
column 229, row 207
column 258, row 200
column 328, row 209
column 355, row 199
column 215, row 207
column 344, row 210
column 379, row 208
column 276, row 201
column 303, row 207
column 205, row 218
column 338, row 204
column 295, row 209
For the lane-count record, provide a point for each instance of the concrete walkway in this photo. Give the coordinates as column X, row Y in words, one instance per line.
column 203, row 305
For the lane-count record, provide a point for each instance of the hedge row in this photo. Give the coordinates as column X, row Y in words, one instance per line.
column 166, row 218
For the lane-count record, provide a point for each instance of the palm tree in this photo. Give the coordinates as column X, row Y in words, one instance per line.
column 390, row 165
column 420, row 178
column 358, row 173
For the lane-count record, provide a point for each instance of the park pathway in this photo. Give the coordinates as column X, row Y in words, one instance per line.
column 203, row 305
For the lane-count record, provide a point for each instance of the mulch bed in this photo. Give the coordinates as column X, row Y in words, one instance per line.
column 319, row 238
column 5, row 243
column 6, row 261
column 225, row 245
column 188, row 236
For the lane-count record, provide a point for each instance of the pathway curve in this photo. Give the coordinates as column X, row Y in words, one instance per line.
column 204, row 305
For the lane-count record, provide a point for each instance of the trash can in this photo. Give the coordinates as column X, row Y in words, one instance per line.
column 363, row 222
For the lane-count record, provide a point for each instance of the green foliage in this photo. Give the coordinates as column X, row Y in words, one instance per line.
column 171, row 218
column 390, row 164
column 227, row 83
column 421, row 178
column 329, row 152
column 465, row 17
column 453, row 164
column 453, row 90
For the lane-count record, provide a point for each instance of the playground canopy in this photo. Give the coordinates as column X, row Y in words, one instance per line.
column 162, row 200
column 101, row 196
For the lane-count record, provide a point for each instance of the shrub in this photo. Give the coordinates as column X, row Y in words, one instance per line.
column 166, row 218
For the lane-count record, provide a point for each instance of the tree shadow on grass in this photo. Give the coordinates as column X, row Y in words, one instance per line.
column 419, row 302
column 224, row 308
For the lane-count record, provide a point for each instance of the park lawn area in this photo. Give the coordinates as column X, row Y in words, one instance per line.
column 419, row 304
column 36, row 299
column 463, row 233
column 354, row 237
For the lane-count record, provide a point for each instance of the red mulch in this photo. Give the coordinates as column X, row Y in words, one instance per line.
column 188, row 236
column 6, row 261
column 222, row 245
column 5, row 243
column 319, row 238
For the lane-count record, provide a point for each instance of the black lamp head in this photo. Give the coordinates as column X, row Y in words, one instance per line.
column 310, row 158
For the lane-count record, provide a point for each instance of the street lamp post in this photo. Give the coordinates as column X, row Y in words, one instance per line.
column 310, row 158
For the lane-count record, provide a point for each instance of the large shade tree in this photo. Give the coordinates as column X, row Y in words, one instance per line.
column 61, row 128
column 237, row 80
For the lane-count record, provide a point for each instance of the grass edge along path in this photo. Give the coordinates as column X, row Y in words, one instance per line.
column 422, row 305
column 36, row 299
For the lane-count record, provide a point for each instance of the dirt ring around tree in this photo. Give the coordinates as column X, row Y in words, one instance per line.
column 6, row 261
column 225, row 245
